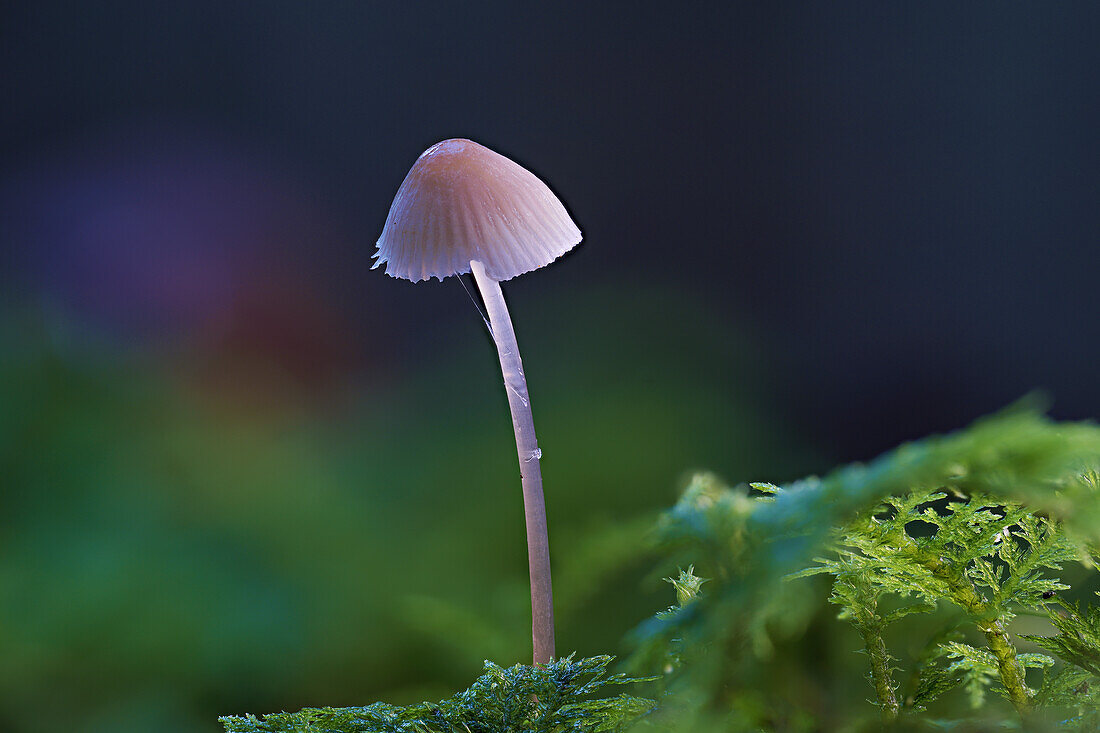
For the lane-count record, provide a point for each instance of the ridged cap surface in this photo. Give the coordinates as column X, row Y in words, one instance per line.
column 461, row 202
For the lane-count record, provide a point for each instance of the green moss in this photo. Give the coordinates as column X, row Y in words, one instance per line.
column 935, row 547
column 559, row 696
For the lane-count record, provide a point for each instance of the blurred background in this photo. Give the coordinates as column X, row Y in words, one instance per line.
column 241, row 472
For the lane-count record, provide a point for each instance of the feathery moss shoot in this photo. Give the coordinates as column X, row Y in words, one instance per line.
column 939, row 555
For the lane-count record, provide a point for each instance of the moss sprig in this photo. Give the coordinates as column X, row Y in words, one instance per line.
column 558, row 696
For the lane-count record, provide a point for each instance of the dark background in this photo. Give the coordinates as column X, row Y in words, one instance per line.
column 812, row 231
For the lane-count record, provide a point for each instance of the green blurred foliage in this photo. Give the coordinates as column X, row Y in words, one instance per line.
column 917, row 574
column 952, row 560
column 170, row 553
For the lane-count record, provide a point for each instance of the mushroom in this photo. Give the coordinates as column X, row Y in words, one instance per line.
column 464, row 208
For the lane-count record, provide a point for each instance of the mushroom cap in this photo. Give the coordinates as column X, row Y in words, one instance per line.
column 461, row 202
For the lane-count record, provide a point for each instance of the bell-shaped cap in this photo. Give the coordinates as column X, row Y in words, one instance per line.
column 461, row 202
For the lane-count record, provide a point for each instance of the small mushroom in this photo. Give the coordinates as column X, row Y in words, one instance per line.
column 464, row 208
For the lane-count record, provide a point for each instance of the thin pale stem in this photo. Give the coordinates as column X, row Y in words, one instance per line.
column 534, row 507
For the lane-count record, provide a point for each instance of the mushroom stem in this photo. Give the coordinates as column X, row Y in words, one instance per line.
column 538, row 545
